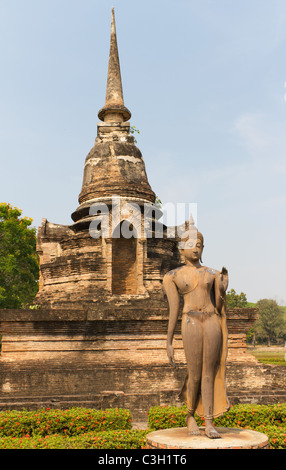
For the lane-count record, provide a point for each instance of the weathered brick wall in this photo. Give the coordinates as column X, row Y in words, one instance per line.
column 77, row 269
column 114, row 355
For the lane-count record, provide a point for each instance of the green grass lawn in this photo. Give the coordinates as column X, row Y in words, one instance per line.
column 269, row 355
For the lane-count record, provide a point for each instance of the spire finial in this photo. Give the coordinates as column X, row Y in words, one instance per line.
column 114, row 109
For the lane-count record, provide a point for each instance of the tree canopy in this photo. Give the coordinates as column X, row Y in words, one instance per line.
column 19, row 268
column 271, row 324
column 234, row 300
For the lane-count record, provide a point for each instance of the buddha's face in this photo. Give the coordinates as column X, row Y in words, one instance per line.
column 193, row 249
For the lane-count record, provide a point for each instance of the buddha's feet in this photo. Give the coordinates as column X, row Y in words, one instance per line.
column 193, row 429
column 211, row 432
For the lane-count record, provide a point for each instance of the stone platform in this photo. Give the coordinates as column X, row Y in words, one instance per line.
column 114, row 355
column 231, row 438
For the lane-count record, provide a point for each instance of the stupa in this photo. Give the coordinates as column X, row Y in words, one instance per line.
column 91, row 261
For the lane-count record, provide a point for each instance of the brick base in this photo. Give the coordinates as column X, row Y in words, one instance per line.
column 114, row 356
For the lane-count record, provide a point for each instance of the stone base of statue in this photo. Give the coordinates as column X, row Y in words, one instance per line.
column 231, row 438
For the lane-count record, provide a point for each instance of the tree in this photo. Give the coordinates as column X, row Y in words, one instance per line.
column 19, row 268
column 134, row 129
column 234, row 300
column 271, row 323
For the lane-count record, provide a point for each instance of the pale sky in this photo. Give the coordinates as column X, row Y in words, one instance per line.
column 205, row 82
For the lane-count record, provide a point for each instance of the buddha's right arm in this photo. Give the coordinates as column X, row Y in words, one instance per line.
column 174, row 302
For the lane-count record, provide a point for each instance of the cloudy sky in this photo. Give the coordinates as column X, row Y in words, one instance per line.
column 205, row 82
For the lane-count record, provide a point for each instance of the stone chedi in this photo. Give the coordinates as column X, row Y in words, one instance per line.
column 78, row 269
column 97, row 337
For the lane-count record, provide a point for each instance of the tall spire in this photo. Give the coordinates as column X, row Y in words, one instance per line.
column 114, row 109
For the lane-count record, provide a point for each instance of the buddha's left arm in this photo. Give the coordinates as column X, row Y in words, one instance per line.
column 220, row 286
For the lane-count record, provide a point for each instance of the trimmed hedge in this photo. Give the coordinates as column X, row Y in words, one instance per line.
column 254, row 415
column 161, row 417
column 165, row 417
column 70, row 422
column 268, row 419
column 80, row 428
column 276, row 435
column 125, row 439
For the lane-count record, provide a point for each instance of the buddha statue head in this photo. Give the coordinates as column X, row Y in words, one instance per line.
column 191, row 244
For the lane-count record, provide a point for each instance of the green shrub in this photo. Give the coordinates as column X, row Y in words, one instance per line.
column 276, row 435
column 253, row 415
column 80, row 428
column 163, row 417
column 125, row 439
column 68, row 422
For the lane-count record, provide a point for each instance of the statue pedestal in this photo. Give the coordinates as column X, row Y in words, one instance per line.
column 231, row 438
